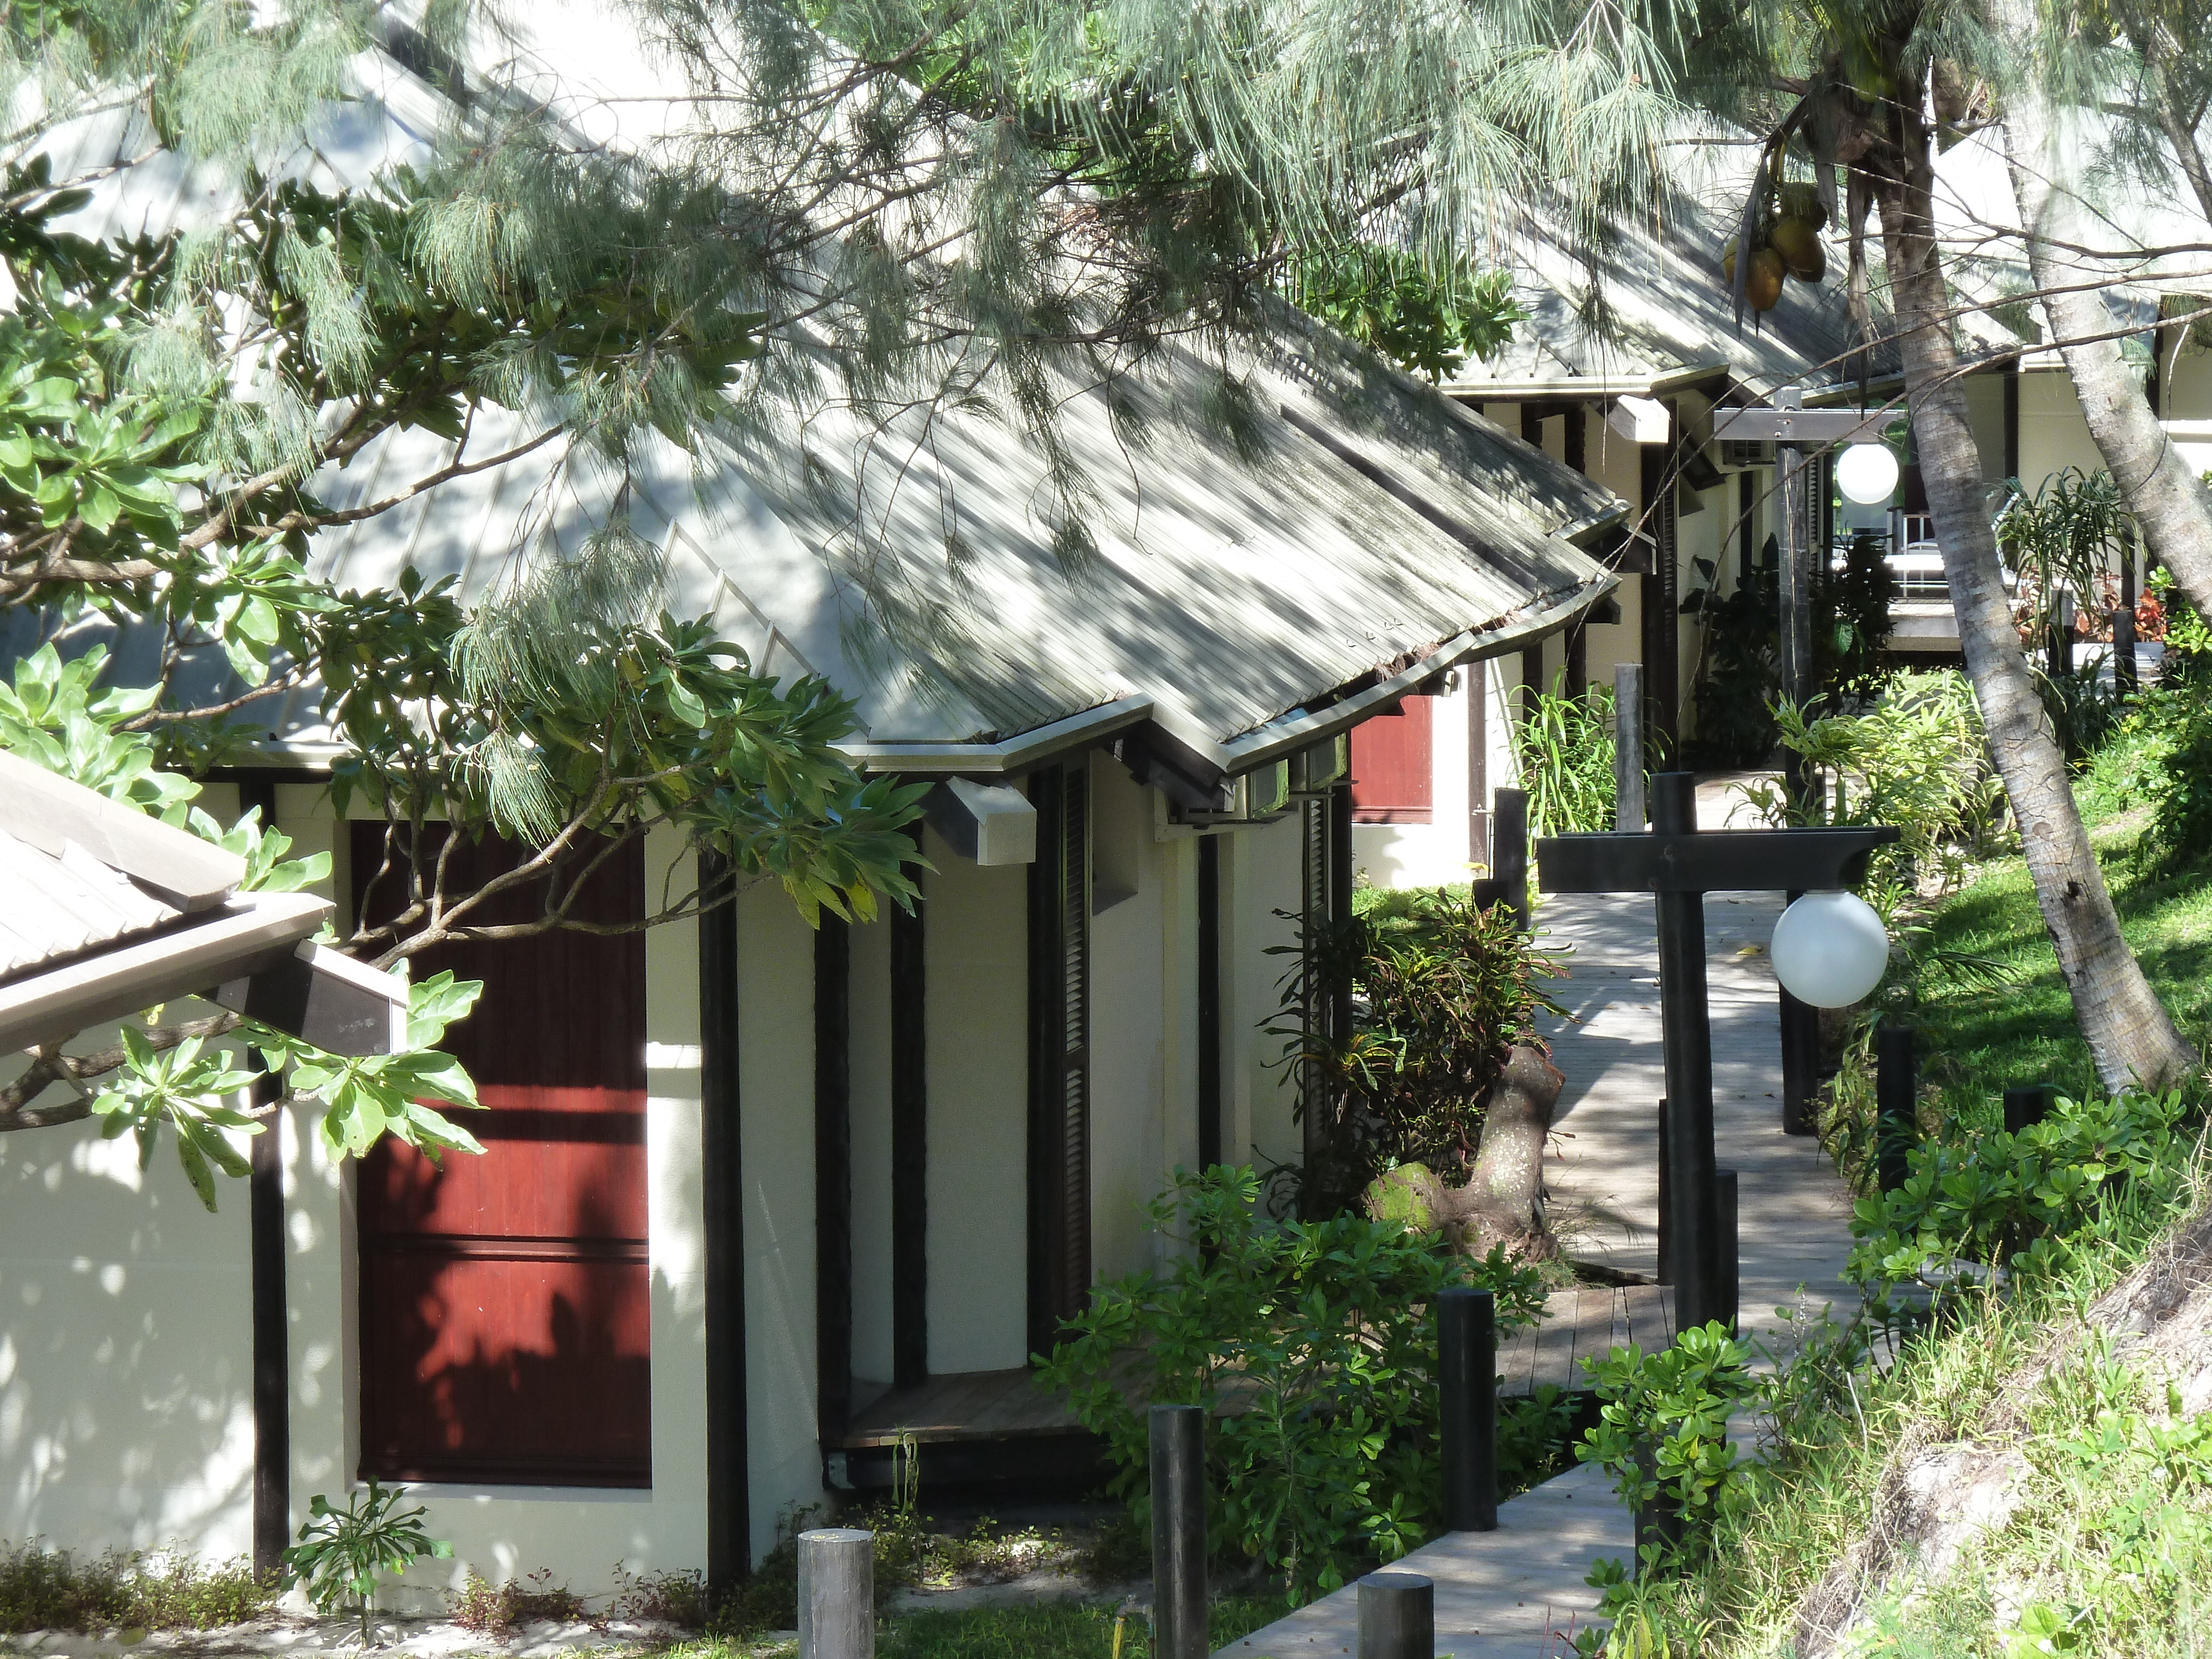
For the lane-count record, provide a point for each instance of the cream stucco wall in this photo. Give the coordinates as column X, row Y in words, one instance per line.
column 126, row 1353
column 976, row 977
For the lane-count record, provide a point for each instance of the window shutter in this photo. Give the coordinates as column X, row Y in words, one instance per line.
column 1393, row 765
column 505, row 1307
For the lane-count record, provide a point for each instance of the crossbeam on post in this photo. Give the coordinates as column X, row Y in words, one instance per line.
column 1707, row 861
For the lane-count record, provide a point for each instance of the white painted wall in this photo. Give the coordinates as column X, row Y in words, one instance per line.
column 126, row 1354
column 977, row 981
column 1140, row 980
column 1261, row 890
column 775, row 1088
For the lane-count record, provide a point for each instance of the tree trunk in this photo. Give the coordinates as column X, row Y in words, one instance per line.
column 2170, row 506
column 2131, row 1036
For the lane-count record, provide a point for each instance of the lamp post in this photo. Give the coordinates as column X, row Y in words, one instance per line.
column 1792, row 430
column 1825, row 943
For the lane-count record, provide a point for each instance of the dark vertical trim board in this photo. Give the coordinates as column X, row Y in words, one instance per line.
column 910, row 1144
column 2011, row 382
column 1059, row 1052
column 1746, row 510
column 833, row 1178
column 722, row 1207
column 1660, row 631
column 1211, row 1126
column 270, row 1321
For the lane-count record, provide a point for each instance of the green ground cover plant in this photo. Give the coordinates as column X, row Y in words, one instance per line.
column 43, row 1588
column 1311, row 1345
column 1993, row 1243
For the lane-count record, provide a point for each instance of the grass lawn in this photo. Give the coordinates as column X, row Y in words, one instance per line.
column 1977, row 1042
column 1054, row 1631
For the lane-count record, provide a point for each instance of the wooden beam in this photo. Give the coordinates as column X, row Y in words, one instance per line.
column 1210, row 1137
column 833, row 1178
column 1807, row 426
column 270, row 1319
column 909, row 1146
column 722, row 1219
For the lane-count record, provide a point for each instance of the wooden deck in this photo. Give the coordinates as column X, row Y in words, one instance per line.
column 974, row 1405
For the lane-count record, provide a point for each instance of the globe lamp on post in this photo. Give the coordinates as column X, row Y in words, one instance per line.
column 1830, row 949
column 1867, row 473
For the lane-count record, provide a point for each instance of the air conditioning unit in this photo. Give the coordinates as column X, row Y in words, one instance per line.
column 1746, row 452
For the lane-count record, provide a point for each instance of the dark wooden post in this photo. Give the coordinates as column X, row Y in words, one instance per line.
column 271, row 1320
column 1467, row 1380
column 1397, row 1616
column 1896, row 1116
column 1665, row 1272
column 1509, row 820
column 2025, row 1106
column 722, row 1195
column 2123, row 619
column 1177, row 1437
column 1688, row 1042
column 1728, row 1242
column 910, row 1144
column 1210, row 1136
column 1800, row 1061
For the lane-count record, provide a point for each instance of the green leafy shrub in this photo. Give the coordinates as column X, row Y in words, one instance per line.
column 1564, row 747
column 1662, row 1431
column 2000, row 1200
column 1311, row 1346
column 495, row 1611
column 1441, row 991
column 1389, row 302
column 342, row 1553
column 52, row 1590
column 1740, row 671
column 1917, row 759
column 2179, row 788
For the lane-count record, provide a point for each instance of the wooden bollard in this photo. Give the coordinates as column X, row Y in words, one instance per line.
column 1178, row 1467
column 1397, row 1616
column 2025, row 1106
column 1467, row 1381
column 1726, row 1239
column 1896, row 1090
column 836, row 1594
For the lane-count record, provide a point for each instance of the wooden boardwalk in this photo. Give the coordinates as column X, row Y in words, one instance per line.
column 1518, row 1593
column 975, row 1405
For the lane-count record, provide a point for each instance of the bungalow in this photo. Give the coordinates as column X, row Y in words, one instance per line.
column 754, row 1192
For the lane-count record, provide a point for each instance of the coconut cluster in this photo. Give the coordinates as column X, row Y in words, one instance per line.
column 1789, row 244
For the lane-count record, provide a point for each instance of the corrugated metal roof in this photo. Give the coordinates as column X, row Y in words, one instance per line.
column 1364, row 521
column 54, row 908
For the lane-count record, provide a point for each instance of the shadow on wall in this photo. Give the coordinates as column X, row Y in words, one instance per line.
column 126, row 1416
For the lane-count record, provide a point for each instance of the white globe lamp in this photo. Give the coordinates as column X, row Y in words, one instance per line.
column 1830, row 949
column 1867, row 473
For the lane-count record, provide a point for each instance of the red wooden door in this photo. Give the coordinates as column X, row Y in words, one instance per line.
column 1392, row 765
column 505, row 1333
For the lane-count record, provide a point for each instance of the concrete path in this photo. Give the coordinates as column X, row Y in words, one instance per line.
column 1519, row 1591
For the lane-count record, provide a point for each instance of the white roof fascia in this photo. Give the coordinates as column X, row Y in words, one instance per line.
column 260, row 931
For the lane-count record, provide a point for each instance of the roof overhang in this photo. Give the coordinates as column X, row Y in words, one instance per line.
column 251, row 934
column 1279, row 739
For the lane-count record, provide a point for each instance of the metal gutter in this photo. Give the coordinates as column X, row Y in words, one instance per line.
column 1586, row 385
column 1014, row 754
column 1285, row 736
column 258, row 932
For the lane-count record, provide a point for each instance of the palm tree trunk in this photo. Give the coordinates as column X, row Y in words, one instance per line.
column 2131, row 1036
column 2170, row 506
